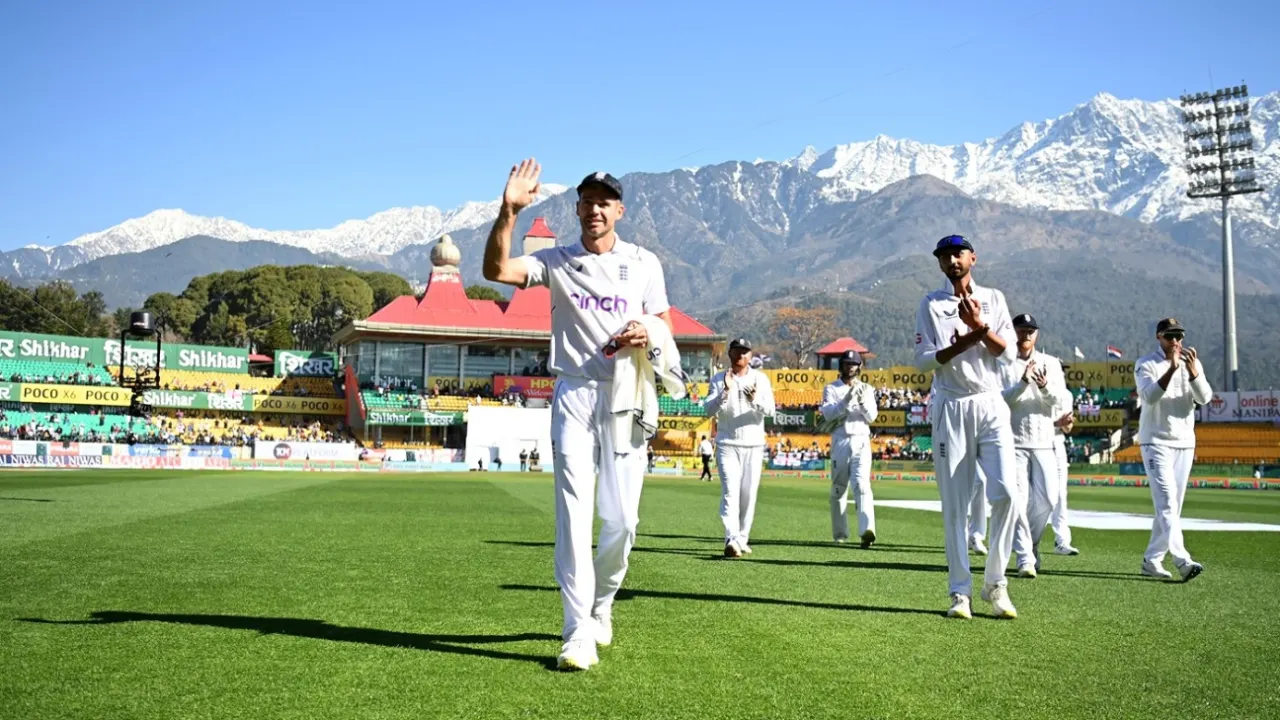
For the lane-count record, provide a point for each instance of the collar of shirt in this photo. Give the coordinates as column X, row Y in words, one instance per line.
column 581, row 249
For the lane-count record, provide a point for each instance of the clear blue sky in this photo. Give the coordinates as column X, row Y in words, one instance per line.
column 302, row 115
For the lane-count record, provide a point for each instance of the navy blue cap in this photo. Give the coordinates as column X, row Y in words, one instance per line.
column 1025, row 320
column 850, row 357
column 604, row 180
column 740, row 344
column 952, row 242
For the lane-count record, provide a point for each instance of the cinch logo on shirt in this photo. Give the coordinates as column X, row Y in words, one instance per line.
column 592, row 302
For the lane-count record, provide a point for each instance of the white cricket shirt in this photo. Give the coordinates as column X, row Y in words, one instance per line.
column 740, row 422
column 592, row 298
column 1032, row 411
column 1169, row 416
column 852, row 406
column 938, row 325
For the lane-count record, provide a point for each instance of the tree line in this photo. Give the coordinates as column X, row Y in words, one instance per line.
column 264, row 308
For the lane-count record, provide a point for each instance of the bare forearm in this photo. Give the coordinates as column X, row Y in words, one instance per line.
column 964, row 342
column 497, row 250
column 995, row 344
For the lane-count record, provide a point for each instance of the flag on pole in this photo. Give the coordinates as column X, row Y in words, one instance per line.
column 1078, row 353
column 1114, row 352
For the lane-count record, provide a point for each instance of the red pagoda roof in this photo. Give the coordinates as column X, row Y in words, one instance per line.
column 540, row 229
column 844, row 344
column 445, row 306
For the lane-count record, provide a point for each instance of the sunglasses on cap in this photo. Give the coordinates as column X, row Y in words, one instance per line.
column 1174, row 335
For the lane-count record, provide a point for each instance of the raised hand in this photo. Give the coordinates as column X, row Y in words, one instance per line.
column 971, row 312
column 1029, row 375
column 522, row 185
column 1189, row 357
column 1041, row 377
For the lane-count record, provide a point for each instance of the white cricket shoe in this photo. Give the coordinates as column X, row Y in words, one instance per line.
column 1155, row 570
column 577, row 654
column 745, row 548
column 960, row 607
column 1027, row 571
column 976, row 546
column 604, row 628
column 1065, row 550
column 1001, row 606
column 1190, row 570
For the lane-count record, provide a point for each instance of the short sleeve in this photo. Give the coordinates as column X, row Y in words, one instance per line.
column 655, row 291
column 535, row 267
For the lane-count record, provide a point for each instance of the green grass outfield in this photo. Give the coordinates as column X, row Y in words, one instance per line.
column 224, row 595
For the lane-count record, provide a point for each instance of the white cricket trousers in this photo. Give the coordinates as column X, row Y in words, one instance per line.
column 582, row 447
column 739, row 469
column 1036, row 472
column 979, row 508
column 1167, row 471
column 968, row 432
column 1058, row 518
column 851, row 469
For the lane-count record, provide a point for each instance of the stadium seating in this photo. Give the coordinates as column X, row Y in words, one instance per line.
column 1227, row 443
column 60, row 373
column 797, row 398
column 187, row 429
column 685, row 406
column 1237, row 443
column 70, row 423
column 222, row 382
column 373, row 400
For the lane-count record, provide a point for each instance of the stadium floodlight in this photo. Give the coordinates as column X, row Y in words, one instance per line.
column 1215, row 129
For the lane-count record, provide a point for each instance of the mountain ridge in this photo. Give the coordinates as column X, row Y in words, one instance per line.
column 1120, row 156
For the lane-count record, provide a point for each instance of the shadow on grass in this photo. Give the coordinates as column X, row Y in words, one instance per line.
column 689, row 552
column 25, row 499
column 321, row 630
column 851, row 545
column 628, row 594
column 864, row 564
column 1096, row 575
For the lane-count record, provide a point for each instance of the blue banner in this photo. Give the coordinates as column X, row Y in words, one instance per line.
column 808, row 465
column 210, row 451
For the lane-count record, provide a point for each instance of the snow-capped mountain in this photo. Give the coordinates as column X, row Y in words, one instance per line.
column 1120, row 156
column 384, row 233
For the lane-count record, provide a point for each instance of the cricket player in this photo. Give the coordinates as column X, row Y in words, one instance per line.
column 1171, row 383
column 740, row 399
column 850, row 404
column 979, row 510
column 597, row 286
column 1036, row 390
column 964, row 335
column 1058, row 519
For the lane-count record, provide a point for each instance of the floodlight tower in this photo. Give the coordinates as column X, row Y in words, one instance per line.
column 1220, row 162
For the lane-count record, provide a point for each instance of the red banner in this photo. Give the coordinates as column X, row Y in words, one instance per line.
column 530, row 387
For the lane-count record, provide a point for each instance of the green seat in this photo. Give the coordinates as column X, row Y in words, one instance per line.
column 46, row 371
